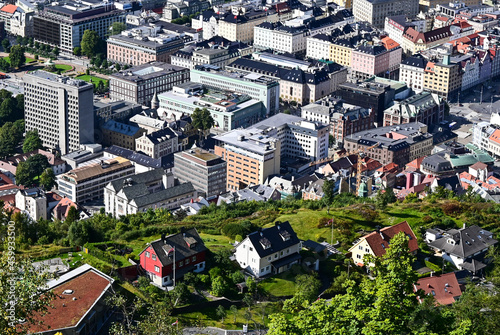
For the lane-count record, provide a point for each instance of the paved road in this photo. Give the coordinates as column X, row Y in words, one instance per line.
column 218, row 331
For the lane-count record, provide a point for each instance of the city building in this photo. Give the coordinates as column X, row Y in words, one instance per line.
column 269, row 251
column 255, row 153
column 372, row 59
column 216, row 51
column 398, row 145
column 86, row 154
column 375, row 11
column 424, row 107
column 376, row 96
column 79, row 303
column 63, row 26
column 428, row 4
column 344, row 119
column 256, row 86
column 115, row 110
column 377, row 242
column 151, row 189
column 159, row 143
column 229, row 109
column 443, row 77
column 299, row 81
column 18, row 21
column 494, row 143
column 141, row 161
column 33, row 202
column 138, row 84
column 148, row 123
column 464, row 248
column 61, row 108
column 121, row 134
column 145, row 44
column 206, row 171
column 86, row 183
column 177, row 8
column 412, row 72
column 395, row 26
column 186, row 249
column 415, row 41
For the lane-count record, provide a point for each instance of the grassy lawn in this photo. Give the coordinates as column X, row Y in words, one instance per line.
column 28, row 60
column 95, row 80
column 208, row 317
column 216, row 241
column 282, row 284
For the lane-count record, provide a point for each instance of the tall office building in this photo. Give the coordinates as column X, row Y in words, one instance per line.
column 61, row 108
column 375, row 11
column 63, row 25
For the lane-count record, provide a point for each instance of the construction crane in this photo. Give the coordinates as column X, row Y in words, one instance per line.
column 360, row 153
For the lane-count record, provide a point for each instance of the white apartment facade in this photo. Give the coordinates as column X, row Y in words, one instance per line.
column 33, row 202
column 280, row 38
column 159, row 143
column 61, row 108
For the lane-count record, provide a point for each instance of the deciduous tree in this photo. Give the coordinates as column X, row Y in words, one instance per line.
column 48, row 179
column 17, row 57
column 91, row 43
column 32, row 141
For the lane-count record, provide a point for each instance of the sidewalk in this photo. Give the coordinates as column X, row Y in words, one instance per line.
column 218, row 331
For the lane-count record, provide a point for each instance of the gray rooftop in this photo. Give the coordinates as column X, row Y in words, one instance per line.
column 146, row 71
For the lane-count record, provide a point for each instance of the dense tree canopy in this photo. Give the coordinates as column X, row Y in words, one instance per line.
column 32, row 141
column 91, row 44
column 202, row 119
column 10, row 135
column 29, row 171
column 117, row 27
column 17, row 56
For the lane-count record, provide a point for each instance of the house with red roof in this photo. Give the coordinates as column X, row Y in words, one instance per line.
column 444, row 288
column 61, row 210
column 17, row 20
column 377, row 242
column 171, row 257
column 494, row 143
column 79, row 306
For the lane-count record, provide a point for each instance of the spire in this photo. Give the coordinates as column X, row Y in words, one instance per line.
column 155, row 103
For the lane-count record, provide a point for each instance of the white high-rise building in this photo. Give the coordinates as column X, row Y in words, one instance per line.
column 61, row 108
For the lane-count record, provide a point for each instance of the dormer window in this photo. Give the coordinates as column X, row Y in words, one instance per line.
column 284, row 235
column 266, row 244
column 190, row 241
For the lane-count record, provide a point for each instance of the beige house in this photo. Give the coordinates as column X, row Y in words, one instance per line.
column 159, row 143
column 377, row 242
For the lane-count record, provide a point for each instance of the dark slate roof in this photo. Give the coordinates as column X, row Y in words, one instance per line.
column 273, row 235
column 119, row 151
column 163, row 195
column 182, row 249
column 415, row 61
column 450, row 183
column 254, row 66
column 314, row 246
column 467, row 241
column 371, row 49
column 156, row 137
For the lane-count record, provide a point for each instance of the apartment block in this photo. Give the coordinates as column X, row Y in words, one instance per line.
column 61, row 108
column 399, row 145
column 120, row 134
column 63, row 26
column 375, row 60
column 145, row 44
column 206, row 171
column 375, row 11
column 255, row 153
column 425, row 107
column 256, row 86
column 33, row 202
column 443, row 77
column 159, row 143
column 138, row 84
column 229, row 109
column 18, row 21
column 412, row 72
column 86, row 183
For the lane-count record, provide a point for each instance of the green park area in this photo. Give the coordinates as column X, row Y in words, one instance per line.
column 93, row 79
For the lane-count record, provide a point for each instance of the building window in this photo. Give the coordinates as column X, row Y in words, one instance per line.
column 147, row 254
column 194, row 258
column 153, row 256
column 157, row 269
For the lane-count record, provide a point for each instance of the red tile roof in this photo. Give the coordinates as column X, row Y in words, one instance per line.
column 389, row 43
column 87, row 289
column 495, row 137
column 391, row 167
column 379, row 241
column 415, row 163
column 9, row 8
column 444, row 288
column 478, row 166
column 62, row 208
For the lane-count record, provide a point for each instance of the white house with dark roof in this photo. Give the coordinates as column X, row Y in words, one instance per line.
column 269, row 251
column 464, row 248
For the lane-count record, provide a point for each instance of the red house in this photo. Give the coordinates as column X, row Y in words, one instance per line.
column 186, row 248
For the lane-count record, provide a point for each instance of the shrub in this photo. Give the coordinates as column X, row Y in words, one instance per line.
column 427, row 219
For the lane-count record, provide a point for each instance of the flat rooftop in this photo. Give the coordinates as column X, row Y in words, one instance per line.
column 146, row 71
column 59, row 79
